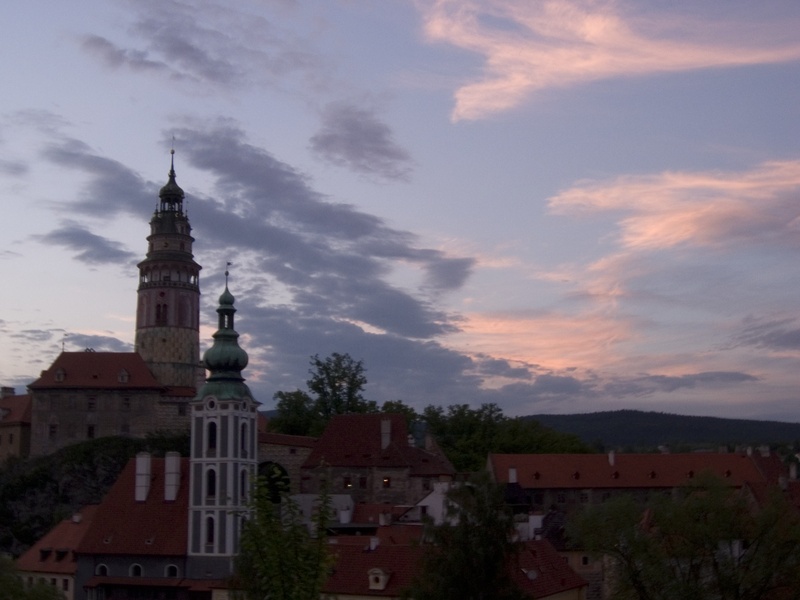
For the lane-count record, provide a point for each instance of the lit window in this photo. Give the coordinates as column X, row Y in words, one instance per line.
column 387, row 482
column 347, row 483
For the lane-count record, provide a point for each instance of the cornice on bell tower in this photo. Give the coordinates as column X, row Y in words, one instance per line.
column 168, row 304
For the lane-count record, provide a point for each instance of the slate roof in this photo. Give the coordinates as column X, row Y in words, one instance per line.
column 15, row 410
column 283, row 439
column 582, row 471
column 354, row 440
column 153, row 527
column 97, row 370
column 55, row 551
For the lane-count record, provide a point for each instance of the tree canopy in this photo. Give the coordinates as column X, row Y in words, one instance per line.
column 467, row 556
column 707, row 543
column 12, row 588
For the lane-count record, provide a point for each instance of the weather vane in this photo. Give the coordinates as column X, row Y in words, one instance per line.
column 227, row 264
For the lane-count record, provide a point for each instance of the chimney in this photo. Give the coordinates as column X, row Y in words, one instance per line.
column 386, row 433
column 143, row 471
column 512, row 475
column 611, row 458
column 172, row 475
column 374, row 542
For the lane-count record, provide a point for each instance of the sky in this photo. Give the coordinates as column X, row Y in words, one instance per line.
column 556, row 206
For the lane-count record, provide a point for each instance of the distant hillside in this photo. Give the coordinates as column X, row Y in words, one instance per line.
column 639, row 430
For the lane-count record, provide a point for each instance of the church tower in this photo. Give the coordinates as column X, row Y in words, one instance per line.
column 168, row 306
column 223, row 452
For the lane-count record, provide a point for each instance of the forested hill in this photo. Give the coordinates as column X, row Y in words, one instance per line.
column 639, row 430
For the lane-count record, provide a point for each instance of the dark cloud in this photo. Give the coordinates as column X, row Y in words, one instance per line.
column 224, row 47
column 36, row 335
column 649, row 384
column 354, row 137
column 13, row 168
column 116, row 57
column 775, row 335
column 91, row 248
column 99, row 343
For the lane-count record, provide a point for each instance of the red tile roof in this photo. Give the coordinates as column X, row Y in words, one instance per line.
column 350, row 573
column 282, row 439
column 396, row 535
column 581, row 471
column 540, row 571
column 15, row 410
column 153, row 527
column 54, row 553
column 354, row 440
column 97, row 370
column 365, row 512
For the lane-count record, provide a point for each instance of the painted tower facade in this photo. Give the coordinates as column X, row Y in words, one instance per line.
column 168, row 305
column 224, row 452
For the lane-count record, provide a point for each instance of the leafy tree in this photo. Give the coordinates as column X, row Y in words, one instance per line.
column 12, row 588
column 337, row 383
column 295, row 413
column 401, row 408
column 281, row 557
column 468, row 556
column 468, row 435
column 335, row 387
column 707, row 543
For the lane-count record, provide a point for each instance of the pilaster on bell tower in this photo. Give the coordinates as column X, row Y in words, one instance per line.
column 168, row 305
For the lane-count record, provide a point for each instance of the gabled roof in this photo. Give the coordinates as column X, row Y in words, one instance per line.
column 350, row 573
column 97, row 370
column 355, row 440
column 582, row 471
column 152, row 527
column 15, row 410
column 540, row 571
column 54, row 552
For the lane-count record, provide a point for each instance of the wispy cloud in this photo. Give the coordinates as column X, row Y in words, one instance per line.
column 90, row 248
column 754, row 207
column 355, row 137
column 528, row 46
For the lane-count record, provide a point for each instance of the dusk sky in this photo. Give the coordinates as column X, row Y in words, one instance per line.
column 557, row 206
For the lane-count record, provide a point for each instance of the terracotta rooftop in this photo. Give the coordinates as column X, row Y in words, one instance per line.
column 54, row 552
column 152, row 527
column 15, row 409
column 354, row 440
column 580, row 471
column 282, row 439
column 540, row 571
column 97, row 370
column 351, row 570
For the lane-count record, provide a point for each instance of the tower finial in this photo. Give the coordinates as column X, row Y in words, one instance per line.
column 227, row 264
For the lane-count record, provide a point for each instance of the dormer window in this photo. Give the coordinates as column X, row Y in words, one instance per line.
column 60, row 375
column 123, row 376
column 378, row 578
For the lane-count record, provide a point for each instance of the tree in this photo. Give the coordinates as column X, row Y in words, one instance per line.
column 468, row 556
column 13, row 588
column 709, row 542
column 399, row 407
column 281, row 557
column 467, row 435
column 335, row 387
column 338, row 382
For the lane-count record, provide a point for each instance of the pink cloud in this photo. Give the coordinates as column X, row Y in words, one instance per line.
column 665, row 210
column 529, row 46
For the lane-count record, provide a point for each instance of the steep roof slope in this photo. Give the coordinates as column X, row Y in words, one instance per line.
column 97, row 370
column 55, row 551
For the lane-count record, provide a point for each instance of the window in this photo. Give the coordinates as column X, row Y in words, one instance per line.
column 584, row 497
column 211, row 483
column 65, row 584
column 362, row 482
column 243, row 479
column 52, row 431
column 60, row 375
column 171, row 571
column 244, row 440
column 91, row 404
column 10, row 439
column 123, row 376
column 209, row 531
column 90, row 432
column 135, row 570
column 212, row 436
column 101, row 570
column 126, row 404
column 584, row 560
column 181, row 410
column 387, row 482
column 347, row 482
column 561, row 498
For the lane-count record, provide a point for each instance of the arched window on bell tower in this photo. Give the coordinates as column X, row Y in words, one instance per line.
column 212, row 437
column 211, row 483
